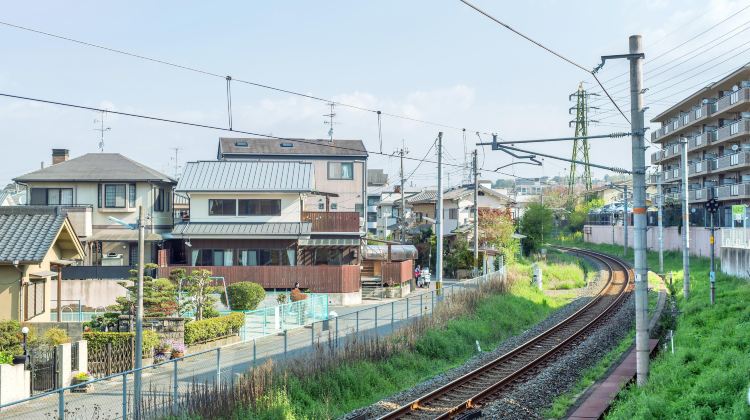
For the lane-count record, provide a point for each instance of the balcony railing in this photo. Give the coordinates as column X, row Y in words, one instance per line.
column 340, row 221
column 737, row 128
column 727, row 192
column 731, row 161
column 684, row 120
column 732, row 99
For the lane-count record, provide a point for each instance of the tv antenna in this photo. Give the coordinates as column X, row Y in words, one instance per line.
column 101, row 129
column 176, row 162
column 330, row 122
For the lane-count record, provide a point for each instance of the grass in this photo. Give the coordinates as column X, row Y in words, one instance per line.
column 709, row 374
column 563, row 271
column 333, row 382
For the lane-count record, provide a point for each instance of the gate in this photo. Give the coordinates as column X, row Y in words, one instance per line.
column 43, row 367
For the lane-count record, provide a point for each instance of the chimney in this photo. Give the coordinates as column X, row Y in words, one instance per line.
column 59, row 155
column 397, row 189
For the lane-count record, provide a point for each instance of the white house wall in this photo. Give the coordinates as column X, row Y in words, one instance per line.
column 290, row 208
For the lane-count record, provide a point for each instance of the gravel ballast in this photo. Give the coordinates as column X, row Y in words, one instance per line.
column 529, row 407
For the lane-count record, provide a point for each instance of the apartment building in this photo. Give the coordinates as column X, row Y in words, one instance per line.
column 714, row 122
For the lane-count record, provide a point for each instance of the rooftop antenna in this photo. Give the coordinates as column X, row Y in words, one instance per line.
column 330, row 121
column 101, row 129
column 176, row 162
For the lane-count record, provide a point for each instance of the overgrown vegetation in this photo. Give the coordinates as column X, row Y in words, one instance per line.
column 330, row 382
column 536, row 224
column 708, row 376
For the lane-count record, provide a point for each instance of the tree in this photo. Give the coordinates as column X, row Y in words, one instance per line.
column 458, row 256
column 535, row 224
column 580, row 214
column 159, row 295
column 199, row 290
column 496, row 229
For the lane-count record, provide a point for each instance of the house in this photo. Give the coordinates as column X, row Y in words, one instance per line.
column 458, row 204
column 390, row 212
column 13, row 195
column 35, row 241
column 340, row 167
column 96, row 187
column 248, row 222
column 377, row 182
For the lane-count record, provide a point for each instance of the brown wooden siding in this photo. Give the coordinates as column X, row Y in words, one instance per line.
column 338, row 221
column 319, row 278
column 397, row 272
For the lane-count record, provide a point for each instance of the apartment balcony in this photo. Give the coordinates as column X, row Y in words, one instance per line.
column 732, row 131
column 698, row 168
column 698, row 195
column 656, row 178
column 733, row 192
column 332, row 222
column 701, row 140
column 731, row 162
column 657, row 156
column 672, row 174
column 729, row 103
column 684, row 120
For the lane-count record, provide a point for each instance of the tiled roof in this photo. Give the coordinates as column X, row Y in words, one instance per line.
column 242, row 229
column 423, row 197
column 96, row 167
column 27, row 232
column 241, row 176
column 260, row 147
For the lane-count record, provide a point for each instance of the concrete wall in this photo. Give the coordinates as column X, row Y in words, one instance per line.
column 93, row 293
column 735, row 262
column 15, row 383
column 699, row 245
column 290, row 208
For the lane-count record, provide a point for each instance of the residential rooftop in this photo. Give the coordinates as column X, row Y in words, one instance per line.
column 271, row 148
column 96, row 167
column 27, row 232
column 247, row 176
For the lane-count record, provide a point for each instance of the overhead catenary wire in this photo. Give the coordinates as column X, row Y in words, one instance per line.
column 549, row 50
column 215, row 74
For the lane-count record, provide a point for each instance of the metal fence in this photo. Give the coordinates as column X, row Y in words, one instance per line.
column 112, row 396
column 275, row 319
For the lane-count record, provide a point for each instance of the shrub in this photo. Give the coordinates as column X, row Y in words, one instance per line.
column 213, row 328
column 244, row 296
column 281, row 298
column 97, row 341
column 55, row 336
column 11, row 337
column 6, row 358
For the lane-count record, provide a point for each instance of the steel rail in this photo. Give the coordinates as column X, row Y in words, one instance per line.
column 419, row 407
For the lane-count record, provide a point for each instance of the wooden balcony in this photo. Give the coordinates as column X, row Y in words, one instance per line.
column 317, row 278
column 335, row 222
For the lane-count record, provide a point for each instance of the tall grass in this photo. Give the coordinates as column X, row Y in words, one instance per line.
column 709, row 374
column 333, row 381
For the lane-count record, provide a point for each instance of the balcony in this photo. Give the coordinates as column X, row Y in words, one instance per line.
column 672, row 174
column 729, row 102
column 732, row 192
column 656, row 178
column 698, row 195
column 698, row 168
column 684, row 120
column 730, row 162
column 733, row 130
column 657, row 156
column 332, row 222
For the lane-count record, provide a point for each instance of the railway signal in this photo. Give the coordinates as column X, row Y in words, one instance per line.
column 712, row 206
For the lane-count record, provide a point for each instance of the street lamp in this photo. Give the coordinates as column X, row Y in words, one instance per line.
column 137, row 382
column 25, row 332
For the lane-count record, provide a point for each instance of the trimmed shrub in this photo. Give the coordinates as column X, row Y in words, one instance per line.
column 244, row 296
column 11, row 337
column 213, row 328
column 55, row 336
column 98, row 340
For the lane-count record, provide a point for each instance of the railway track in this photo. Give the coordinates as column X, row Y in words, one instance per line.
column 464, row 395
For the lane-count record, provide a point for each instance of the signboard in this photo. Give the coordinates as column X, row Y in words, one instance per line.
column 738, row 214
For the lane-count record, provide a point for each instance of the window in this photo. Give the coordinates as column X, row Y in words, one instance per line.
column 734, row 97
column 359, row 208
column 35, row 298
column 114, row 195
column 373, row 200
column 222, row 207
column 321, row 206
column 734, row 129
column 698, row 113
column 685, row 119
column 253, row 257
column 453, row 214
column 131, row 196
column 372, row 217
column 394, row 211
column 287, row 145
column 51, row 196
column 212, row 257
column 340, row 170
column 160, row 199
column 258, row 207
column 334, row 206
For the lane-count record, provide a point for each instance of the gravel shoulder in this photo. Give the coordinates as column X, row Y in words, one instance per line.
column 388, row 404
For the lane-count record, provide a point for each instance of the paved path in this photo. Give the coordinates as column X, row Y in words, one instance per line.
column 105, row 399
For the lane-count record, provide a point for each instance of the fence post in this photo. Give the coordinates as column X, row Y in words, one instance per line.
column 108, row 369
column 432, row 297
column 125, row 396
column 376, row 320
column 393, row 315
column 357, row 313
column 218, row 365
column 61, row 404
column 421, row 305
column 407, row 307
column 174, row 390
column 285, row 343
column 255, row 354
column 336, row 320
column 312, row 335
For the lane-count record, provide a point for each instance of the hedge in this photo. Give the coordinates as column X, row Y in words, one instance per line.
column 98, row 340
column 213, row 328
column 10, row 337
column 244, row 295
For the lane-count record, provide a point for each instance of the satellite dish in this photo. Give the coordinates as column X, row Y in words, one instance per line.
column 735, row 147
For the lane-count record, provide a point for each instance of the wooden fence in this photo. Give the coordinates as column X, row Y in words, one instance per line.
column 339, row 221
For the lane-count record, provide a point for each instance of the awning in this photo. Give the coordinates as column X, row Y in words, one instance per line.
column 42, row 274
column 398, row 252
column 122, row 235
column 242, row 230
column 339, row 242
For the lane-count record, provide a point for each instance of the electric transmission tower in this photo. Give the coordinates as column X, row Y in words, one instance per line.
column 580, row 144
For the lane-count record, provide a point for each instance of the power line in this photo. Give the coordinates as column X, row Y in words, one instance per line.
column 213, row 74
column 549, row 50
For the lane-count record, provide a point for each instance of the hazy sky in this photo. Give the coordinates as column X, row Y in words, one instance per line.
column 436, row 60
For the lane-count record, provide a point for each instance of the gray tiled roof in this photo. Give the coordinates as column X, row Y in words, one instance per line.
column 236, row 176
column 242, row 229
column 96, row 167
column 27, row 232
column 423, row 197
column 259, row 147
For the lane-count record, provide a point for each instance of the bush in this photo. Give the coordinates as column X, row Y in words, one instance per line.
column 213, row 328
column 55, row 336
column 11, row 337
column 98, row 340
column 6, row 358
column 244, row 296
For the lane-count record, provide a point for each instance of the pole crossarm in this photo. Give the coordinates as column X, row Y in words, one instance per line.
column 598, row 136
column 594, row 165
column 617, row 57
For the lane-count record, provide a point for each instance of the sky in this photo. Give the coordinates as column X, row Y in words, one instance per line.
column 436, row 60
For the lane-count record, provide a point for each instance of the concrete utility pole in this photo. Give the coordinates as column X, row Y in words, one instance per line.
column 139, row 315
column 625, row 221
column 685, row 221
column 476, row 208
column 660, row 221
column 439, row 215
column 402, row 220
column 639, row 208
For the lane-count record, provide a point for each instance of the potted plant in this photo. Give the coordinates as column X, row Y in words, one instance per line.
column 19, row 359
column 162, row 351
column 178, row 350
column 81, row 378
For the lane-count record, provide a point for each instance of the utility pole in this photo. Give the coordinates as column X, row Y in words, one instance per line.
column 439, row 215
column 625, row 222
column 401, row 152
column 139, row 316
column 638, row 149
column 660, row 221
column 476, row 208
column 685, row 221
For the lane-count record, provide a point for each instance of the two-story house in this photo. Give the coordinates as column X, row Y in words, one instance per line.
column 340, row 167
column 96, row 187
column 247, row 222
column 458, row 204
